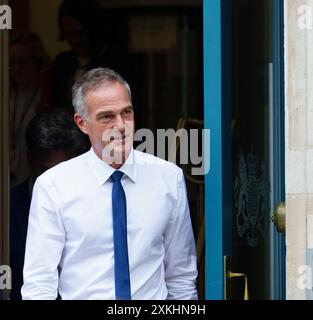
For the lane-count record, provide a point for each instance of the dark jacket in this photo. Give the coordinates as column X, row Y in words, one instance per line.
column 20, row 198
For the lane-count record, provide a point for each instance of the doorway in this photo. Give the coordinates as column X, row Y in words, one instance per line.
column 247, row 127
column 160, row 46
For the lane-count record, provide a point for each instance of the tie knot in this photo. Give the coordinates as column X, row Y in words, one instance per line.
column 117, row 176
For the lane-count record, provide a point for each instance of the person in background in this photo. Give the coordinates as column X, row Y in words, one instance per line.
column 88, row 31
column 51, row 138
column 28, row 59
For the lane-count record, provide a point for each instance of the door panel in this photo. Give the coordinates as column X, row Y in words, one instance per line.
column 244, row 114
column 216, row 112
column 252, row 57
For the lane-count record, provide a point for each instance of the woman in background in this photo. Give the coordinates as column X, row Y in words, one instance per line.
column 28, row 59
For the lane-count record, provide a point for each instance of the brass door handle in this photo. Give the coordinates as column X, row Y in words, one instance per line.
column 279, row 217
column 231, row 275
column 228, row 275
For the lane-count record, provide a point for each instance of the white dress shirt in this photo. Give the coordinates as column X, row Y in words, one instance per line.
column 69, row 244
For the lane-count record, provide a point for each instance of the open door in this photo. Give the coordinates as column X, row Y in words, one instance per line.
column 244, row 111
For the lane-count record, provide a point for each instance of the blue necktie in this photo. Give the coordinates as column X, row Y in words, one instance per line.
column 121, row 264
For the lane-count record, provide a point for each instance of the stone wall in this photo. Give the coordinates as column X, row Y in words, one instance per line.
column 299, row 139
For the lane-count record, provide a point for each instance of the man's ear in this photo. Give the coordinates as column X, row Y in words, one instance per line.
column 81, row 123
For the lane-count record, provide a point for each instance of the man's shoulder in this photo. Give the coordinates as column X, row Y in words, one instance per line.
column 65, row 169
column 160, row 164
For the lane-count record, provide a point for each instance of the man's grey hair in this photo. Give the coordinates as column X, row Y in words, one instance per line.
column 92, row 80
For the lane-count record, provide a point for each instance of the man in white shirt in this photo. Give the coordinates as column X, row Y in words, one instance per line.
column 113, row 223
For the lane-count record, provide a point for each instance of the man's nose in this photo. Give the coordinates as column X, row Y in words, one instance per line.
column 119, row 122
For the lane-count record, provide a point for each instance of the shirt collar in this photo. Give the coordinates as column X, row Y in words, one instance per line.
column 103, row 171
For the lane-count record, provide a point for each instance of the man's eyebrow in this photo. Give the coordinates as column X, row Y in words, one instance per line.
column 106, row 112
column 113, row 112
column 128, row 107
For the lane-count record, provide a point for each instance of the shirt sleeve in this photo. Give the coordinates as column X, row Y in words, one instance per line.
column 44, row 244
column 180, row 252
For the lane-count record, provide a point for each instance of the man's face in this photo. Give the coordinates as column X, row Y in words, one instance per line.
column 110, row 123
